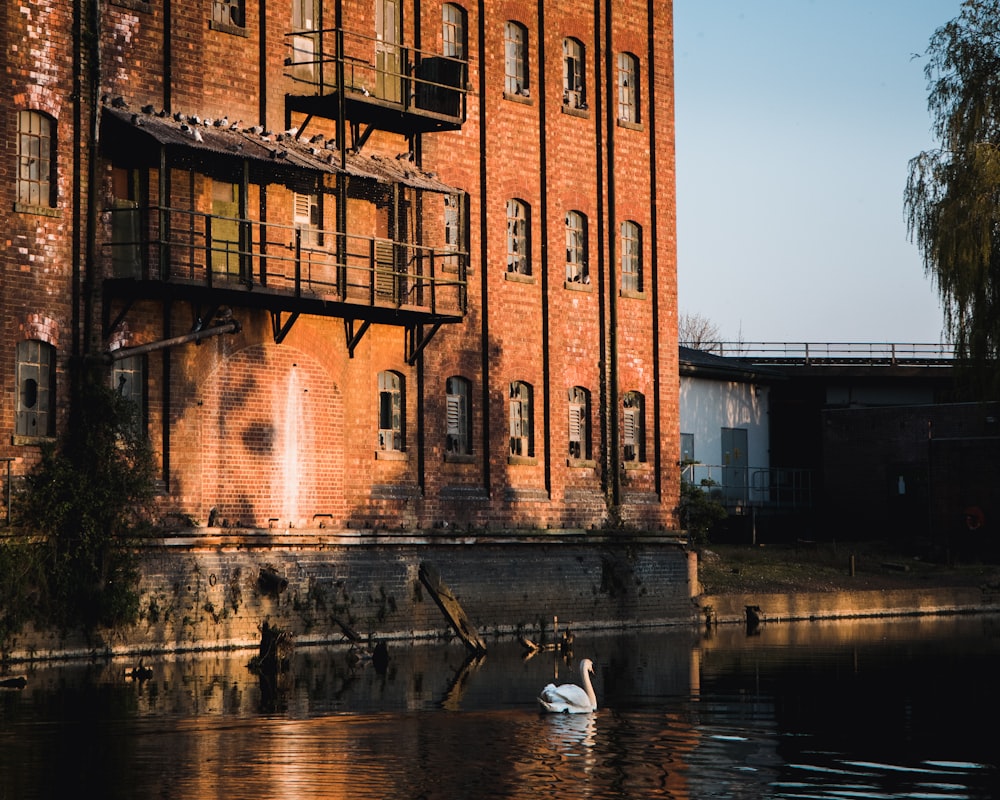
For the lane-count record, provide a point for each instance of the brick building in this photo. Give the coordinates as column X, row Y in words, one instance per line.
column 361, row 264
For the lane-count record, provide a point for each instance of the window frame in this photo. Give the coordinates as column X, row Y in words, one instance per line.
column 577, row 256
column 517, row 78
column 454, row 31
column 578, row 420
column 629, row 96
column 518, row 238
column 687, row 446
column 458, row 418
column 521, row 428
column 229, row 16
column 34, row 402
column 633, row 428
column 391, row 412
column 307, row 218
column 574, row 74
column 36, row 161
column 128, row 378
column 630, row 241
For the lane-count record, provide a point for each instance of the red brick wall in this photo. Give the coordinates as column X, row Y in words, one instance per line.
column 284, row 434
column 36, row 244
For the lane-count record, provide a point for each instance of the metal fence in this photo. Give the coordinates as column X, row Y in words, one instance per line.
column 742, row 488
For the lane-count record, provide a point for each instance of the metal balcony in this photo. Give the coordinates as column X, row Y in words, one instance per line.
column 399, row 89
column 211, row 261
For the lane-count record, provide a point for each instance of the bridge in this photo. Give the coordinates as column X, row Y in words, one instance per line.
column 834, row 354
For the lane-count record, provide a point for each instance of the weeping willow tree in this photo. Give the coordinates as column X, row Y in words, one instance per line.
column 952, row 198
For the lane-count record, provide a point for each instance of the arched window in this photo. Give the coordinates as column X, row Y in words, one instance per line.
column 453, row 31
column 35, row 160
column 522, row 440
column 391, row 412
column 633, row 427
column 458, row 426
column 574, row 74
column 579, row 423
column 576, row 248
column 516, row 60
column 35, row 403
column 631, row 258
column 518, row 237
column 628, row 88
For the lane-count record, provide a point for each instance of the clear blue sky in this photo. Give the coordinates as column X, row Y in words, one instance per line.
column 795, row 123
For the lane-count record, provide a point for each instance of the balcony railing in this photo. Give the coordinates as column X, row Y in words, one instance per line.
column 214, row 251
column 371, row 71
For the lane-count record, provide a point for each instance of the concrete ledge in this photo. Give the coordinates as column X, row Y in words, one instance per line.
column 853, row 604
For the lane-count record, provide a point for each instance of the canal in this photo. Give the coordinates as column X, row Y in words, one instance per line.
column 900, row 708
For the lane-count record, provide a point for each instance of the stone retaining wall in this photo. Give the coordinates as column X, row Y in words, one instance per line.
column 214, row 592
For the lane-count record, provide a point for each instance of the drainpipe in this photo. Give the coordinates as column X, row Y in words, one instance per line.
column 602, row 282
column 262, row 61
column 78, row 83
column 654, row 282
column 485, row 449
column 232, row 326
column 92, row 55
column 613, row 398
column 168, row 46
column 544, row 237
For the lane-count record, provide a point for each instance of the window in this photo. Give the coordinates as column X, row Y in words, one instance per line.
column 126, row 224
column 522, row 441
column 633, row 428
column 631, row 257
column 516, row 60
column 628, row 88
column 579, row 423
column 391, row 431
column 36, row 378
column 518, row 241
column 574, row 88
column 225, row 240
column 458, row 438
column 452, row 232
column 687, row 448
column 35, row 160
column 303, row 45
column 576, row 248
column 307, row 218
column 229, row 13
column 453, row 31
column 128, row 378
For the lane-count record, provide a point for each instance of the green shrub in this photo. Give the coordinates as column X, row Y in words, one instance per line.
column 83, row 507
column 698, row 511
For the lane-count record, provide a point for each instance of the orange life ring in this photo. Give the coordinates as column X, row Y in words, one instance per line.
column 974, row 518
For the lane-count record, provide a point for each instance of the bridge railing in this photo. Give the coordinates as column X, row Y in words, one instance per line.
column 834, row 353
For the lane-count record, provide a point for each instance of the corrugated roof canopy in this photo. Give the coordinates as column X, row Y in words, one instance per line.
column 218, row 139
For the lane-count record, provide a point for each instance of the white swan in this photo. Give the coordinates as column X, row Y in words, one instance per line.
column 570, row 698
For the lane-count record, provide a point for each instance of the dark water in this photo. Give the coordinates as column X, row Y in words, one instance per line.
column 890, row 709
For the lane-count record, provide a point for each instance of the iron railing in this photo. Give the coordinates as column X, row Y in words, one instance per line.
column 833, row 353
column 742, row 488
column 214, row 250
column 322, row 62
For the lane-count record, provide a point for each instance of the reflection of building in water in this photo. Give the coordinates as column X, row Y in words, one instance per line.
column 426, row 250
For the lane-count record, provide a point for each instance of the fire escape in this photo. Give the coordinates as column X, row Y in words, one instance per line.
column 189, row 221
